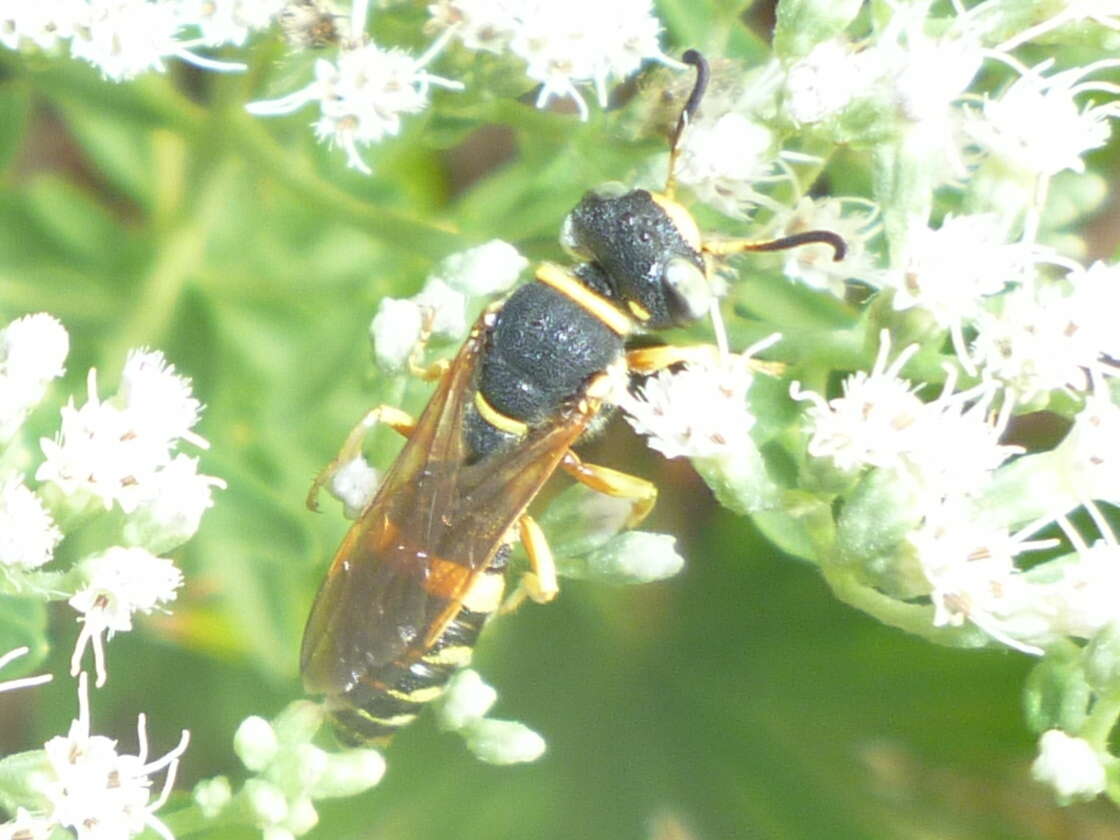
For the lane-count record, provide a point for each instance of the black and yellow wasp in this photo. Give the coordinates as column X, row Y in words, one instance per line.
column 423, row 567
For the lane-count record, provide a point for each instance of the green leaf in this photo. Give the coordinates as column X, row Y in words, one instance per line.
column 14, row 105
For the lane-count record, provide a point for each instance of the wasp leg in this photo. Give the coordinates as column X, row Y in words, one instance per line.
column 653, row 359
column 539, row 583
column 434, row 371
column 397, row 420
column 641, row 493
column 648, row 360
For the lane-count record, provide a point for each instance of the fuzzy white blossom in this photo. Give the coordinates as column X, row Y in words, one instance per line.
column 725, row 160
column 97, row 792
column 947, row 446
column 229, row 21
column 112, row 450
column 118, row 582
column 44, row 23
column 28, row 535
column 1037, row 126
column 823, row 82
column 171, row 510
column 363, row 96
column 1070, row 765
column 354, row 484
column 486, row 269
column 561, row 50
column 32, row 352
column 699, row 412
column 1050, row 335
column 124, row 38
column 395, row 329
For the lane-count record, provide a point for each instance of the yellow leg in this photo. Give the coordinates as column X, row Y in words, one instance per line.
column 434, row 371
column 387, row 415
column 539, row 583
column 642, row 493
column 653, row 359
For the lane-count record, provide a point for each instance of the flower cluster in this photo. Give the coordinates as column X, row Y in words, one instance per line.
column 83, row 783
column 124, row 38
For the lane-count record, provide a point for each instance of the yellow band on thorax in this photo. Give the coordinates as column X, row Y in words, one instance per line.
column 496, row 419
column 568, row 285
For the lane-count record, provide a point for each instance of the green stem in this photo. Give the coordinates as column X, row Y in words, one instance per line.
column 1102, row 720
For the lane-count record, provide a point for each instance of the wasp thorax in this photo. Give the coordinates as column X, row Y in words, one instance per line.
column 648, row 250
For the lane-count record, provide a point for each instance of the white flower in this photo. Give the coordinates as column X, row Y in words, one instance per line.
column 699, row 412
column 113, row 450
column 503, row 741
column 1087, row 461
column 445, row 308
column 44, row 23
column 484, row 270
column 28, row 535
column 723, row 161
column 228, row 21
column 825, row 81
column 354, row 484
column 876, row 420
column 98, row 793
column 26, row 826
column 32, row 352
column 947, row 447
column 561, row 49
column 12, row 685
column 101, row 450
column 485, row 25
column 1045, row 336
column 124, row 38
column 176, row 497
column 362, row 98
column 395, row 329
column 948, row 271
column 815, row 265
column 970, row 566
column 1069, row 765
column 158, row 399
column 119, row 582
column 1037, row 126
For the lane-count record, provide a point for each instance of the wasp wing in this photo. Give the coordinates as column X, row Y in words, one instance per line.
column 433, row 526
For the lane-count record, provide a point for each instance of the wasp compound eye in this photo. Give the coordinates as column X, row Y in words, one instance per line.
column 686, row 290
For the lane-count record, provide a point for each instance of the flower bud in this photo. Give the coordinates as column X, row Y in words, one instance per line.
column 503, row 742
column 349, row 773
column 1069, row 765
column 467, row 698
column 255, row 743
column 212, row 795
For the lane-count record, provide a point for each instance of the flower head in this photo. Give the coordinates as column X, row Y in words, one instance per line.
column 1069, row 765
column 700, row 411
column 97, row 792
column 28, row 535
column 118, row 583
column 363, row 97
column 32, row 352
column 1037, row 125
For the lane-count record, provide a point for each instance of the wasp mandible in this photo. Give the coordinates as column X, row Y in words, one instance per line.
column 423, row 567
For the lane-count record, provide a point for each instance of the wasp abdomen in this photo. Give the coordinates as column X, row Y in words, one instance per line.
column 391, row 696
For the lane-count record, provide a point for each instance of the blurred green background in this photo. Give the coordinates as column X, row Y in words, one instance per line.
column 738, row 700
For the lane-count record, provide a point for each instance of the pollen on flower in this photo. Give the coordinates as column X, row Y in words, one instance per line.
column 97, row 792
column 118, row 582
column 28, row 535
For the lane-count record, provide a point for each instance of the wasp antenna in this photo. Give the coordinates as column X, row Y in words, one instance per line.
column 687, row 113
column 809, row 237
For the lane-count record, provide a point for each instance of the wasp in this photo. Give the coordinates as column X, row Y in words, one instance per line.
column 423, row 567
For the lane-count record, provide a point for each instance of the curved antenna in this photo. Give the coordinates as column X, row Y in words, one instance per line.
column 703, row 73
column 728, row 247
